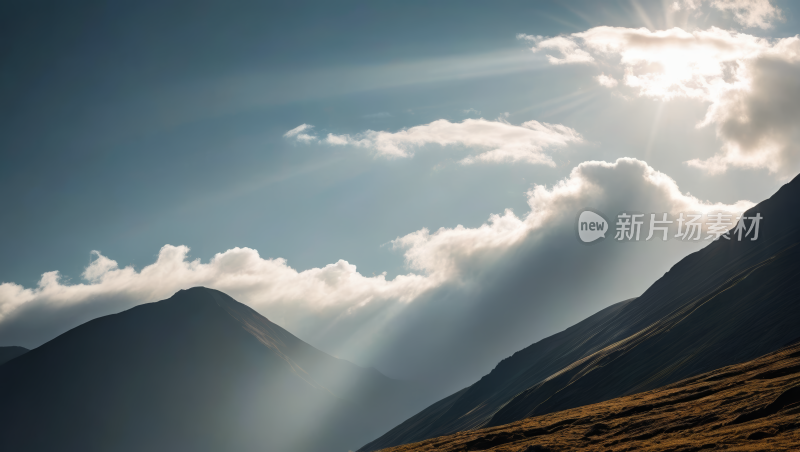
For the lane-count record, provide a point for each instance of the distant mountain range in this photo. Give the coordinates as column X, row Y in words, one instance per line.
column 196, row 372
column 727, row 303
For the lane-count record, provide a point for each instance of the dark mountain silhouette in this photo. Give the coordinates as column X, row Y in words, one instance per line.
column 196, row 372
column 727, row 303
column 9, row 353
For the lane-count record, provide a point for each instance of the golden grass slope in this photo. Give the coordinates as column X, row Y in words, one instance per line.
column 753, row 406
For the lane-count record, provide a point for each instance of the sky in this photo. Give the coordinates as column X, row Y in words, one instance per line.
column 396, row 183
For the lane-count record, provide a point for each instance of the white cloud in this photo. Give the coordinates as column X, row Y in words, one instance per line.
column 305, row 138
column 439, row 255
column 238, row 270
column 341, row 140
column 351, row 314
column 675, row 63
column 297, row 130
column 570, row 51
column 750, row 13
column 298, row 133
column 735, row 73
column 448, row 250
column 608, row 82
column 503, row 142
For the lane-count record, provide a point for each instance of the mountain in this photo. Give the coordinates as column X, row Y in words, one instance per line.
column 728, row 303
column 9, row 353
column 753, row 406
column 196, row 372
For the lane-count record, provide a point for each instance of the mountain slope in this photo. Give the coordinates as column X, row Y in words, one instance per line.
column 727, row 303
column 198, row 372
column 9, row 353
column 753, row 406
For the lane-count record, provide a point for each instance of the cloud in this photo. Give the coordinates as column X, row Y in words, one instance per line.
column 608, row 82
column 503, row 142
column 750, row 84
column 569, row 49
column 750, row 13
column 305, row 138
column 238, row 270
column 297, row 130
column 447, row 250
column 297, row 133
column 408, row 325
column 759, row 125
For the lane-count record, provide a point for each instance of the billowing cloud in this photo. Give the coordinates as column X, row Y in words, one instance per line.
column 750, row 84
column 750, row 13
column 238, row 270
column 502, row 142
column 370, row 318
column 449, row 250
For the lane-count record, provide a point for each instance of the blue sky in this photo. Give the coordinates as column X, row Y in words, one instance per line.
column 125, row 128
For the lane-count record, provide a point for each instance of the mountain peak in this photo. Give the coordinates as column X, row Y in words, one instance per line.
column 201, row 294
column 197, row 371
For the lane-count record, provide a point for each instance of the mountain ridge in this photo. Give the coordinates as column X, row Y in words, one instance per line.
column 10, row 352
column 555, row 369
